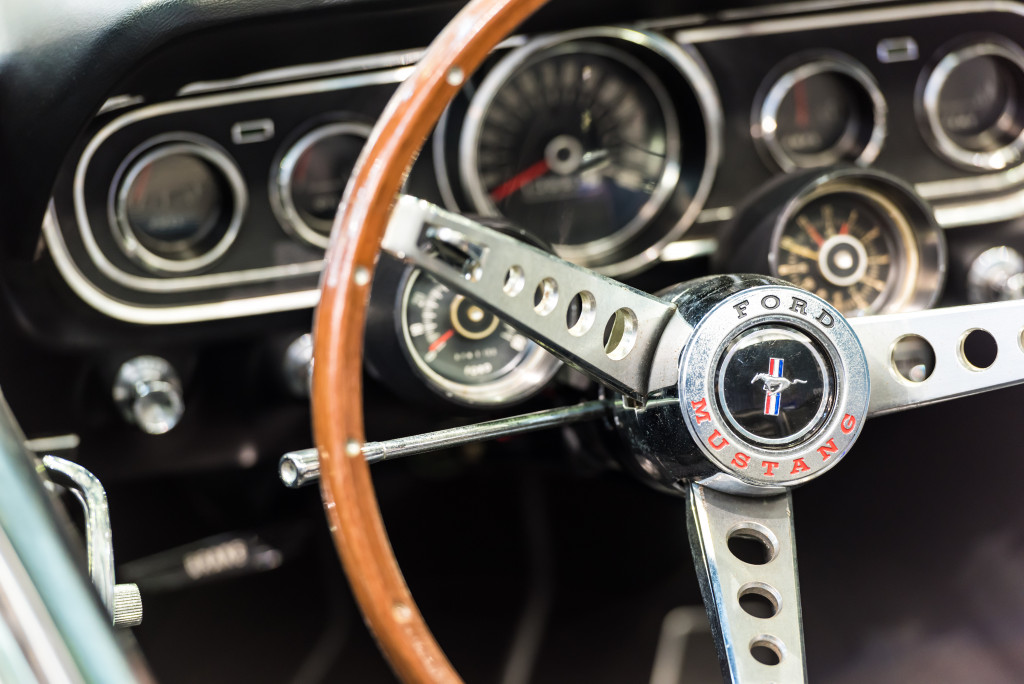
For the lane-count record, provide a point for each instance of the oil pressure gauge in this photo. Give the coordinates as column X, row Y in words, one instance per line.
column 859, row 239
column 466, row 353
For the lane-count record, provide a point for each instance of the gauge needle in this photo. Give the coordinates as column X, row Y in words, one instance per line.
column 520, row 180
column 806, row 224
column 440, row 341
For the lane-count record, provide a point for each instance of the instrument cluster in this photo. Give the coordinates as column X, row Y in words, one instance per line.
column 834, row 150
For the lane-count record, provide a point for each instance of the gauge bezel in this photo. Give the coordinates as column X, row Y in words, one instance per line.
column 930, row 86
column 152, row 150
column 526, row 379
column 922, row 256
column 281, row 200
column 629, row 252
column 770, row 98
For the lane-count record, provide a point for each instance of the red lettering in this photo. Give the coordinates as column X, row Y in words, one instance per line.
column 722, row 441
column 799, row 466
column 741, row 460
column 848, row 424
column 828, row 449
column 700, row 410
column 769, row 467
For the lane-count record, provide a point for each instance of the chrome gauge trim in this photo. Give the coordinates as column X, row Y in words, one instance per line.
column 689, row 65
column 153, row 150
column 163, row 315
column 921, row 254
column 527, row 378
column 927, row 107
column 281, row 200
column 766, row 109
column 112, row 306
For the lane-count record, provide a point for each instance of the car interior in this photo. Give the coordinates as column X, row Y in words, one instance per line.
column 555, row 316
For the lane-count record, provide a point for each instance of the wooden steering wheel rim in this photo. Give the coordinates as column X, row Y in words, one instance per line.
column 346, row 486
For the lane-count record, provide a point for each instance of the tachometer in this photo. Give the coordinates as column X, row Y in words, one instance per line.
column 465, row 352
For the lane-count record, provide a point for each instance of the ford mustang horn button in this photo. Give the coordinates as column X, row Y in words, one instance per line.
column 774, row 385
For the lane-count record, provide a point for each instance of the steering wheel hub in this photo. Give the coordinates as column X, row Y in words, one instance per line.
column 773, row 383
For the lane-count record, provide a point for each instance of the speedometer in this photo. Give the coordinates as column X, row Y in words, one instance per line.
column 580, row 145
column 580, row 140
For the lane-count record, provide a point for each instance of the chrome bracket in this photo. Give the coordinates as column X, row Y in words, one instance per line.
column 753, row 602
column 123, row 601
column 604, row 328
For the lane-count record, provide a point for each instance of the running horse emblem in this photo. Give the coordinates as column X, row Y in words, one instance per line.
column 774, row 386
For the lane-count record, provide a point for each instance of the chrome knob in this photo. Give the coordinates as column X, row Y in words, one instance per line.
column 996, row 275
column 127, row 610
column 298, row 365
column 148, row 392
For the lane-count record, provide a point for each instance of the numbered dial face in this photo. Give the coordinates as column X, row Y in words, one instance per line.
column 849, row 247
column 579, row 145
column 465, row 352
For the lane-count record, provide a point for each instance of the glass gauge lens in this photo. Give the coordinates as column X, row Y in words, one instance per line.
column 173, row 203
column 312, row 177
column 465, row 351
column 178, row 205
column 575, row 145
column 979, row 104
column 822, row 113
column 848, row 247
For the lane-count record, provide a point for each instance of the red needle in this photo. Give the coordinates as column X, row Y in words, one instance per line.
column 845, row 228
column 802, row 113
column 440, row 341
column 521, row 179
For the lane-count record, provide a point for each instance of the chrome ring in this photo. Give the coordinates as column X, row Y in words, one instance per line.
column 281, row 199
column 928, row 108
column 766, row 110
column 153, row 150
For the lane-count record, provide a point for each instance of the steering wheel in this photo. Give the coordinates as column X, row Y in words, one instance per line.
column 734, row 389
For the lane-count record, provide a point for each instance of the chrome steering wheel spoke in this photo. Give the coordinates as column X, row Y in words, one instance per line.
column 745, row 556
column 604, row 328
column 899, row 362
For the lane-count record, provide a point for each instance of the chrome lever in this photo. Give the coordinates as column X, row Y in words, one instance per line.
column 123, row 601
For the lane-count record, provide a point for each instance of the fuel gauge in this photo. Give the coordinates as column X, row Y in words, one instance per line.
column 824, row 111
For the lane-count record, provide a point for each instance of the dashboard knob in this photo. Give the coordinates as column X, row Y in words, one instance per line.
column 298, row 366
column 148, row 392
column 996, row 275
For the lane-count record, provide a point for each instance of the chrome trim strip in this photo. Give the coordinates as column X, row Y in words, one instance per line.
column 840, row 19
column 960, row 214
column 956, row 187
column 150, row 315
column 48, row 445
column 383, row 60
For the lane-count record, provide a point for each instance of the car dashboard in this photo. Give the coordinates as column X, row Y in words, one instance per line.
column 869, row 152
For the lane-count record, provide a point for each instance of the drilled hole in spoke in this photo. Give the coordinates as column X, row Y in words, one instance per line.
column 752, row 543
column 978, row 349
column 581, row 313
column 913, row 358
column 545, row 297
column 620, row 334
column 766, row 650
column 759, row 600
column 514, row 281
